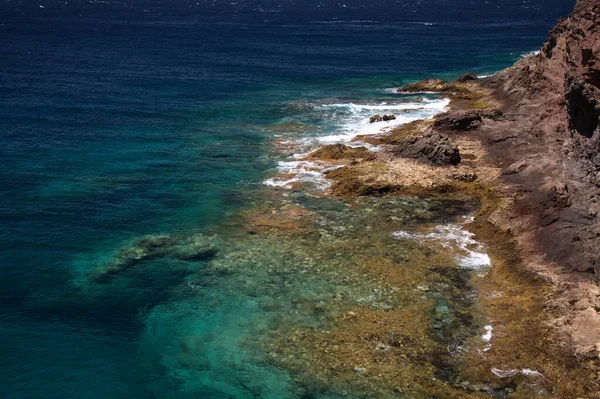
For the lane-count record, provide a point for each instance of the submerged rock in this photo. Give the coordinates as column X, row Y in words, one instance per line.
column 193, row 248
column 381, row 118
column 189, row 248
column 424, row 85
column 432, row 147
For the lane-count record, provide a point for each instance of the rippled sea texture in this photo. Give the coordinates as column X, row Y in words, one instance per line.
column 120, row 121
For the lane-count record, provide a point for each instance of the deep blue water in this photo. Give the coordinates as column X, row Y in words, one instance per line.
column 122, row 119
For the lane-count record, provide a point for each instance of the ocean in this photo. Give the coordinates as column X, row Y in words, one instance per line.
column 121, row 121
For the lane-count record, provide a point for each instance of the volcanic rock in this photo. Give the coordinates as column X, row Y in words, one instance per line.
column 467, row 77
column 431, row 147
column 430, row 84
column 340, row 151
column 458, row 120
column 381, row 118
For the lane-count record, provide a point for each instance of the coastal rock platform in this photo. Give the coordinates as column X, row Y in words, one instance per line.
column 527, row 146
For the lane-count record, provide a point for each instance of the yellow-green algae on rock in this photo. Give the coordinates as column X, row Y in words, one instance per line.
column 390, row 315
column 350, row 310
column 410, row 349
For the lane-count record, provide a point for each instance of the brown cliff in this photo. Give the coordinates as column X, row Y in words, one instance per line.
column 545, row 141
column 549, row 149
column 538, row 124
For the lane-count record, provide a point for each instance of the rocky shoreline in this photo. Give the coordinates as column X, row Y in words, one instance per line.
column 349, row 297
column 526, row 143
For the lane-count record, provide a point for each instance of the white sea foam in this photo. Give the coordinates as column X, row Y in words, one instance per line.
column 513, row 372
column 349, row 120
column 487, row 336
column 355, row 121
column 530, row 53
column 300, row 171
column 470, row 253
column 424, row 104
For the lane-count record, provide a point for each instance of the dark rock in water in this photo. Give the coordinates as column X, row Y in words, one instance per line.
column 432, row 147
column 189, row 248
column 193, row 248
column 424, row 85
column 381, row 118
column 143, row 249
column 341, row 151
column 467, row 77
column 458, row 120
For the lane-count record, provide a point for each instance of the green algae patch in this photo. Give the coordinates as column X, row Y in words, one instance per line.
column 469, row 96
column 438, row 310
column 339, row 152
column 370, row 353
column 463, row 94
column 401, row 351
column 426, row 85
column 290, row 219
column 393, row 342
column 400, row 134
column 479, row 105
column 193, row 247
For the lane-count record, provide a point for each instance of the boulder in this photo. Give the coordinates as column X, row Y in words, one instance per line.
column 515, row 167
column 458, row 120
column 381, row 118
column 467, row 77
column 431, row 147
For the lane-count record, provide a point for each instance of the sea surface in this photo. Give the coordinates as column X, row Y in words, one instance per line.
column 123, row 120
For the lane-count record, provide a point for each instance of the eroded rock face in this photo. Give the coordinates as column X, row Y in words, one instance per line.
column 381, row 118
column 431, row 147
column 423, row 86
column 458, row 120
column 583, row 106
column 465, row 120
column 548, row 148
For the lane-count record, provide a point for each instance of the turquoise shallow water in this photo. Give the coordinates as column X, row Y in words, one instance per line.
column 119, row 122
